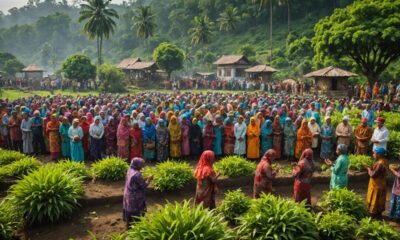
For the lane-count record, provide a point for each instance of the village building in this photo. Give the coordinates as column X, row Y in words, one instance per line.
column 208, row 76
column 232, row 67
column 138, row 71
column 33, row 72
column 261, row 73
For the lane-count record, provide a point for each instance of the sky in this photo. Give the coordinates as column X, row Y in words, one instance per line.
column 7, row 4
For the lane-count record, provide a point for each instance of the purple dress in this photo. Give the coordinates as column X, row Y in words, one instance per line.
column 185, row 140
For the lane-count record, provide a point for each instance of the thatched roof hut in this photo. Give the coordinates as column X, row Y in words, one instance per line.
column 261, row 73
column 332, row 72
column 33, row 68
column 33, row 72
column 128, row 62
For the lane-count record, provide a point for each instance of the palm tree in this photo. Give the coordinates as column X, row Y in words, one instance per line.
column 262, row 4
column 100, row 21
column 228, row 19
column 287, row 3
column 143, row 22
column 202, row 30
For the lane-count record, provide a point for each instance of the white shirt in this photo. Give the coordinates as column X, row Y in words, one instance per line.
column 382, row 136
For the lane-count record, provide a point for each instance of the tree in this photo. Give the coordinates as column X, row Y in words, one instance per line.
column 79, row 67
column 367, row 31
column 144, row 22
column 12, row 66
column 48, row 56
column 247, row 50
column 111, row 78
column 100, row 22
column 168, row 57
column 264, row 4
column 287, row 3
column 228, row 19
column 202, row 30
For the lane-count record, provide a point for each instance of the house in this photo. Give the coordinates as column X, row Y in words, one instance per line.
column 331, row 80
column 209, row 76
column 33, row 72
column 261, row 73
column 232, row 67
column 137, row 71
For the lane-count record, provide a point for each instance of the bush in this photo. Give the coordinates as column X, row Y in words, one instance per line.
column 180, row 221
column 111, row 168
column 344, row 200
column 392, row 120
column 170, row 175
column 77, row 169
column 394, row 145
column 271, row 217
column 10, row 219
column 7, row 157
column 282, row 169
column 372, row 229
column 20, row 167
column 357, row 162
column 235, row 166
column 234, row 205
column 336, row 226
column 47, row 195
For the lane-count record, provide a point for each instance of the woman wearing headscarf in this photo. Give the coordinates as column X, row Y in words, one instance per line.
column 206, row 180
column 304, row 139
column 339, row 168
column 149, row 140
column 266, row 136
column 75, row 134
column 195, row 138
column 302, row 177
column 136, row 140
column 277, row 131
column 37, row 130
column 84, row 124
column 89, row 118
column 134, row 201
column 65, row 139
column 185, row 137
column 327, row 134
column 240, row 131
column 175, row 137
column 264, row 174
column 289, row 133
column 208, row 136
column 110, row 132
column 253, row 139
column 123, row 138
column 229, row 137
column 394, row 205
column 218, row 132
column 162, row 140
column 376, row 196
column 96, row 133
column 27, row 136
column 14, row 125
column 52, row 130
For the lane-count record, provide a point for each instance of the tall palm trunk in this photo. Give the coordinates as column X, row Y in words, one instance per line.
column 101, row 50
column 270, row 31
column 288, row 15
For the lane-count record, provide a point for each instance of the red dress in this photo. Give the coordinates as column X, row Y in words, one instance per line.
column 85, row 128
column 302, row 182
column 263, row 179
column 135, row 135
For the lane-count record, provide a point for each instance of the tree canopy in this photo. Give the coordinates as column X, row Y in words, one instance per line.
column 143, row 22
column 79, row 67
column 9, row 64
column 111, row 78
column 168, row 57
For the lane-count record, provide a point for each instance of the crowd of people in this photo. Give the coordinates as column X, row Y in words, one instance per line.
column 157, row 126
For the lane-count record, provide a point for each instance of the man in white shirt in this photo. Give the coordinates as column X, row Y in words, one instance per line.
column 380, row 138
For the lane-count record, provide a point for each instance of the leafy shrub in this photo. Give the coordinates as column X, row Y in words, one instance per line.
column 235, row 166
column 111, row 168
column 392, row 120
column 180, row 221
column 394, row 144
column 325, row 168
column 77, row 169
column 282, row 169
column 47, row 195
column 344, row 200
column 8, row 156
column 271, row 217
column 10, row 219
column 234, row 205
column 336, row 226
column 20, row 167
column 372, row 229
column 170, row 175
column 357, row 162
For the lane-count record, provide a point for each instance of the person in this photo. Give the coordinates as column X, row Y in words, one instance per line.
column 37, row 131
column 175, row 138
column 289, row 133
column 315, row 130
column 363, row 134
column 149, row 140
column 206, row 180
column 27, row 136
column 85, row 125
column 65, row 140
column 229, row 137
column 266, row 136
column 96, row 132
column 327, row 135
column 264, row 174
column 369, row 114
column 134, row 201
column 339, row 168
column 218, row 133
column 123, row 138
column 136, row 141
column 394, row 205
column 253, row 139
column 14, row 125
column 376, row 196
column 380, row 137
column 277, row 131
column 302, row 174
column 208, row 136
column 75, row 134
column 344, row 132
column 110, row 132
column 185, row 137
column 195, row 138
column 240, row 130
column 52, row 130
column 162, row 138
column 304, row 139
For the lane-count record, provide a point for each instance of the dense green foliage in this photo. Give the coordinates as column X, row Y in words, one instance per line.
column 19, row 168
column 234, row 205
column 46, row 195
column 394, row 145
column 9, row 156
column 170, row 175
column 76, row 169
column 168, row 57
column 180, row 221
column 372, row 229
column 111, row 168
column 358, row 162
column 234, row 166
column 10, row 219
column 345, row 201
column 9, row 64
column 336, row 226
column 271, row 217
column 79, row 67
column 111, row 78
column 143, row 22
column 282, row 170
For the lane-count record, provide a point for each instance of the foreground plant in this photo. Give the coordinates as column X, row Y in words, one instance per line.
column 336, row 226
column 20, row 167
column 8, row 156
column 47, row 195
column 234, row 205
column 10, row 219
column 358, row 162
column 271, row 217
column 111, row 168
column 77, row 169
column 234, row 166
column 372, row 229
column 180, row 222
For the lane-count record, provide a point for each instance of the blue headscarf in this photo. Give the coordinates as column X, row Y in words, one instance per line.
column 149, row 131
column 266, row 128
column 380, row 151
